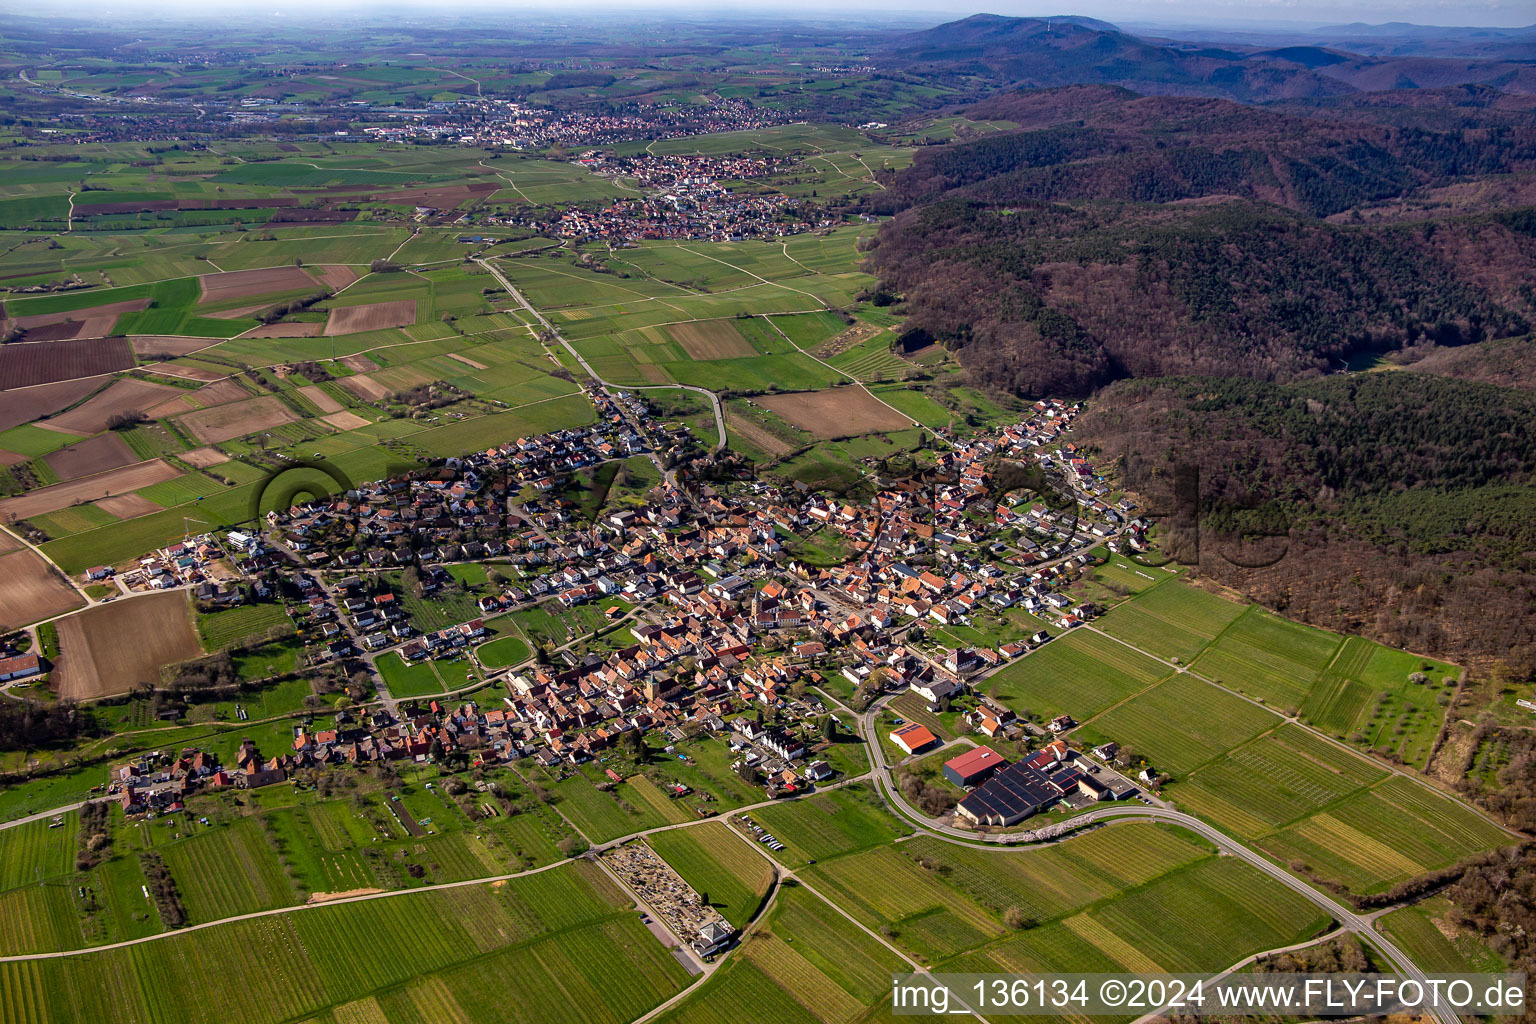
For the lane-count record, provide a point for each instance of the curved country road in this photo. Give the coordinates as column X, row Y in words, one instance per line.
column 1348, row 919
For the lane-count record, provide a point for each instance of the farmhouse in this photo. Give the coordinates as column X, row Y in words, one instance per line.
column 913, row 737
column 974, row 766
column 18, row 667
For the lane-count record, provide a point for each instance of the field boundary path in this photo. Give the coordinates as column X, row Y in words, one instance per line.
column 714, row 399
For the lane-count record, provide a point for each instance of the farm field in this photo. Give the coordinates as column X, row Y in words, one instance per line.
column 1202, row 918
column 822, row 826
column 838, row 412
column 1378, row 699
column 1390, row 832
column 941, row 899
column 33, row 590
column 565, row 932
column 601, row 816
column 1173, row 621
column 228, row 871
column 100, row 485
column 242, row 624
column 1181, row 723
column 122, row 395
column 1080, row 674
column 808, row 964
column 111, row 648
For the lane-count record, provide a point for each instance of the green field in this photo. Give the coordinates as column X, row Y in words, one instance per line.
column 1391, row 832
column 242, row 624
column 829, row 824
column 1080, row 674
column 564, row 938
column 1173, row 621
column 1181, row 723
column 1426, row 933
column 626, row 807
column 810, row 964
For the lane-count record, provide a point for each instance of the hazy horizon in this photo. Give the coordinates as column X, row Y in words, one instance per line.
column 1253, row 15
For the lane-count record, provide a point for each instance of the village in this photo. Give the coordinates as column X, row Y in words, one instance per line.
column 719, row 628
column 518, row 125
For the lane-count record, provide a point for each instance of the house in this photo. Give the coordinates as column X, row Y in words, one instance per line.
column 818, row 770
column 937, row 688
column 18, row 667
column 1061, row 723
column 974, row 766
column 783, row 743
column 913, row 737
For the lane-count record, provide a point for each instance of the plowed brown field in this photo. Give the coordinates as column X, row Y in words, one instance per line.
column 110, row 648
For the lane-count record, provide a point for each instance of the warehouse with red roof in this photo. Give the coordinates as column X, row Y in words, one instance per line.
column 974, row 766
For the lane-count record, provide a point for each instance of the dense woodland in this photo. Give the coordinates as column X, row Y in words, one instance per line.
column 1107, row 143
column 1142, row 236
column 1508, row 362
column 1092, row 294
column 1405, row 499
column 31, row 725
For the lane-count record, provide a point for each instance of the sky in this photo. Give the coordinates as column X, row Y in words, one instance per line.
column 1143, row 13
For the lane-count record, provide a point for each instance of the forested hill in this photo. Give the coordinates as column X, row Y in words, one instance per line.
column 1046, row 52
column 1096, row 143
column 1058, row 299
column 1407, row 498
column 1508, row 362
column 1117, row 235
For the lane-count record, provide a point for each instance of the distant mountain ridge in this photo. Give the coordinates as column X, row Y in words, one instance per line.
column 1070, row 50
